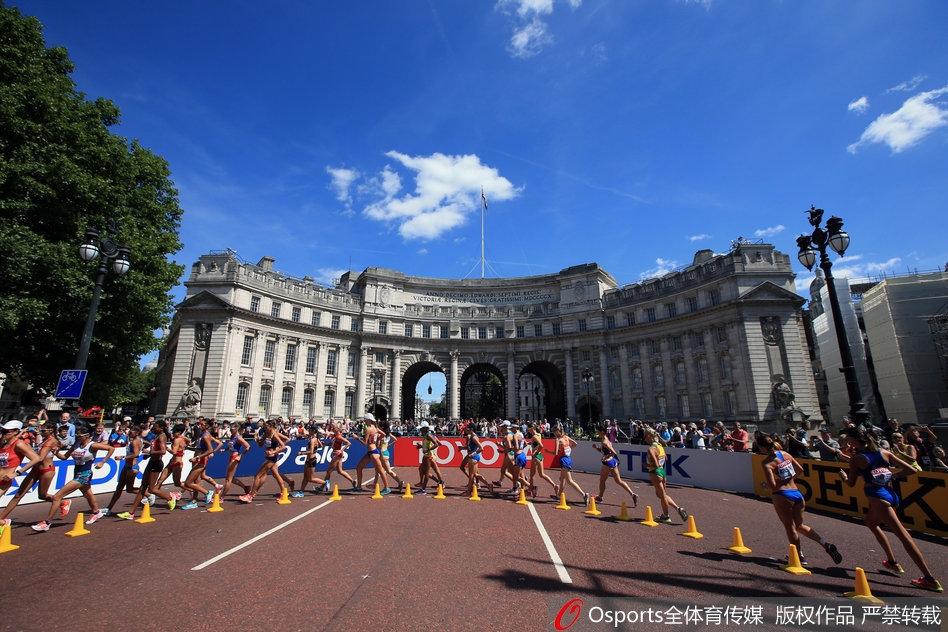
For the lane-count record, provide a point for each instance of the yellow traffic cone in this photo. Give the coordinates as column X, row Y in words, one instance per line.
column 649, row 518
column 440, row 495
column 737, row 543
column 474, row 495
column 794, row 567
column 378, row 493
column 624, row 513
column 284, row 497
column 522, row 499
column 6, row 540
column 407, row 495
column 692, row 531
column 862, row 592
column 216, row 504
column 335, row 493
column 562, row 504
column 591, row 510
column 146, row 515
column 79, row 528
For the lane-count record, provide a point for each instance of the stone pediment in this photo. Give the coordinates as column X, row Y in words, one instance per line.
column 770, row 292
column 204, row 300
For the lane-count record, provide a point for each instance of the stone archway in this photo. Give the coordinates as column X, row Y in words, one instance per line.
column 554, row 387
column 380, row 411
column 589, row 411
column 483, row 392
column 410, row 382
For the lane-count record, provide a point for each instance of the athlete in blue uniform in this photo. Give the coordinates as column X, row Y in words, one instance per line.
column 610, row 466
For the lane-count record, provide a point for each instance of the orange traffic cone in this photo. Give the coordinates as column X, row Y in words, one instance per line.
column 624, row 513
column 794, row 567
column 562, row 505
column 378, row 493
column 215, row 505
column 591, row 510
column 440, row 495
column 284, row 497
column 146, row 515
column 862, row 592
column 692, row 531
column 522, row 499
column 649, row 518
column 335, row 493
column 474, row 495
column 407, row 495
column 79, row 528
column 737, row 543
column 6, row 540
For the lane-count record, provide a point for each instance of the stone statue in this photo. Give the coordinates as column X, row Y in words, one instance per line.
column 190, row 403
column 784, row 402
column 770, row 327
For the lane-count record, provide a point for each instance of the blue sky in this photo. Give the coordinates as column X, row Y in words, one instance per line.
column 630, row 133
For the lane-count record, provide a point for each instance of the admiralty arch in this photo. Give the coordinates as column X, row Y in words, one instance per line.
column 718, row 339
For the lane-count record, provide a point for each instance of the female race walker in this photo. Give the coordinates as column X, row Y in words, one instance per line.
column 536, row 462
column 236, row 447
column 313, row 448
column 386, row 446
column 872, row 465
column 373, row 454
column 610, row 465
column 150, row 489
column 126, row 478
column 428, row 468
column 274, row 442
column 338, row 444
column 83, row 454
column 473, row 458
column 655, row 465
column 42, row 471
column 779, row 470
column 175, row 466
column 564, row 449
column 207, row 445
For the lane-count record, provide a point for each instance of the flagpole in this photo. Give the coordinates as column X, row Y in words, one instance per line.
column 483, row 208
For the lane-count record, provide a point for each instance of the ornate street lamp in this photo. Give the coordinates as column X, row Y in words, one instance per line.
column 111, row 255
column 838, row 241
column 377, row 376
column 588, row 380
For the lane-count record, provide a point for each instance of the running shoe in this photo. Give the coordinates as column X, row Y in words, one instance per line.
column 172, row 504
column 925, row 583
column 356, row 488
column 246, row 498
column 218, row 487
column 64, row 508
column 422, row 491
column 105, row 512
column 893, row 567
column 124, row 516
column 209, row 497
column 326, row 487
column 833, row 552
column 175, row 495
column 94, row 517
column 586, row 499
column 803, row 560
column 664, row 519
column 40, row 526
column 682, row 513
column 635, row 500
column 152, row 499
column 301, row 494
column 4, row 524
column 386, row 491
column 191, row 504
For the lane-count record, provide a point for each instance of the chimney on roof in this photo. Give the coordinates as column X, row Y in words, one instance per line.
column 703, row 255
column 266, row 263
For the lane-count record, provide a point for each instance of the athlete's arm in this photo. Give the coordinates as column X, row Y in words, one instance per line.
column 770, row 479
column 852, row 476
column 905, row 468
column 95, row 447
column 26, row 451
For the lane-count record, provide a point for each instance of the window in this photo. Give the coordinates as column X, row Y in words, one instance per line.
column 671, row 310
column 614, row 353
column 692, row 303
column 409, row 330
column 335, row 321
column 499, row 332
column 730, row 402
column 255, row 303
column 275, row 309
column 629, row 319
column 482, row 333
column 556, row 328
column 289, row 363
column 725, row 367
column 246, row 356
column 329, row 403
column 383, row 326
column 676, row 343
column 380, row 358
column 465, row 333
column 660, row 406
column 582, row 324
column 707, row 409
column 650, row 314
column 426, row 331
column 286, row 402
column 537, row 330
column 265, row 392
column 703, row 370
column 355, row 324
column 680, row 378
column 352, row 364
column 610, row 322
column 637, row 378
column 684, row 406
column 638, row 405
column 722, row 334
column 312, row 354
column 714, row 296
column 296, row 314
column 308, row 408
column 521, row 331
column 697, row 339
column 653, row 347
column 586, row 355
column 658, row 376
column 268, row 352
column 242, row 389
column 634, row 349
column 444, row 330
column 331, row 361
column 615, row 383
column 314, row 319
column 350, row 404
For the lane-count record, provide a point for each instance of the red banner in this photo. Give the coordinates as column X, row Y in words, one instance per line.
column 452, row 450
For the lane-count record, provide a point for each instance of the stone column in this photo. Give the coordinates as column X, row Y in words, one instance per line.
column 228, row 393
column 299, row 379
column 396, row 384
column 604, row 376
column 668, row 369
column 360, row 382
column 181, row 373
column 342, row 366
column 570, row 387
column 626, row 377
column 256, row 380
column 511, row 385
column 455, row 386
column 648, row 377
column 715, row 387
column 320, row 393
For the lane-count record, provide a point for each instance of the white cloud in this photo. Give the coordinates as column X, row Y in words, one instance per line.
column 329, row 276
column 918, row 117
column 859, row 105
column 884, row 265
column 705, row 3
column 575, row 4
column 422, row 251
column 908, row 86
column 662, row 267
column 803, row 283
column 342, row 179
column 770, row 231
column 529, row 39
column 447, row 188
column 459, row 240
column 531, row 33
column 700, row 237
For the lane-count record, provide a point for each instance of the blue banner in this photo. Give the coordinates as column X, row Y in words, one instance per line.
column 291, row 460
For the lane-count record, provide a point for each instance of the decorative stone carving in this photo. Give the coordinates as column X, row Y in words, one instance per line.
column 202, row 335
column 190, row 403
column 784, row 403
column 770, row 327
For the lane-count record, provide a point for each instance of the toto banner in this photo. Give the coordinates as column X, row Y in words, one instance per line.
column 451, row 451
column 710, row 469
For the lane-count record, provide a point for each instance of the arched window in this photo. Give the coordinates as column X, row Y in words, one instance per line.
column 266, row 392
column 242, row 389
column 286, row 402
column 636, row 377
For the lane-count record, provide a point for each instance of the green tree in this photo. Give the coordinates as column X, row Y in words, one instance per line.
column 61, row 171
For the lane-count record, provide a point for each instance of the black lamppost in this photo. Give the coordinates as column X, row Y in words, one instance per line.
column 588, row 380
column 377, row 377
column 109, row 253
column 838, row 240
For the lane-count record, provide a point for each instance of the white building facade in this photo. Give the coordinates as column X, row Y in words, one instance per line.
column 709, row 341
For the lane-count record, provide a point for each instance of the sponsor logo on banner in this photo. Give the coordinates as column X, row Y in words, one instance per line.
column 292, row 460
column 451, row 451
column 924, row 504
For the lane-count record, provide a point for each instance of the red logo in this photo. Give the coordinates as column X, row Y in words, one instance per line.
column 568, row 614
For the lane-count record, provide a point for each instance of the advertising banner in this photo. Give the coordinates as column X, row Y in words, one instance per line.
column 452, row 450
column 291, row 461
column 924, row 504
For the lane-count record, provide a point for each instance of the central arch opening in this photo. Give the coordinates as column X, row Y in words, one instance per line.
column 417, row 376
column 482, row 392
column 542, row 391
